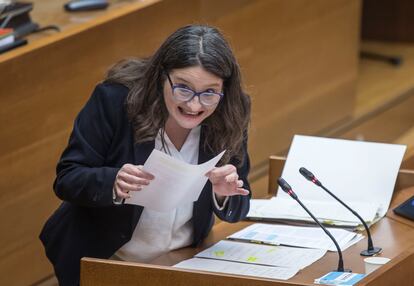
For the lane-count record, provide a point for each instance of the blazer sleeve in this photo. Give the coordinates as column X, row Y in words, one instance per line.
column 81, row 175
column 237, row 206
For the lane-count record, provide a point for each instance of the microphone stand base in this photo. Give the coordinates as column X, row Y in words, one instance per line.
column 343, row 270
column 371, row 252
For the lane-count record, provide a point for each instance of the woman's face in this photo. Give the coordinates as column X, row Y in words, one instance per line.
column 191, row 113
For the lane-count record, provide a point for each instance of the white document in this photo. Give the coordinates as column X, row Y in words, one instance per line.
column 176, row 182
column 356, row 172
column 310, row 237
column 270, row 255
column 272, row 272
column 326, row 212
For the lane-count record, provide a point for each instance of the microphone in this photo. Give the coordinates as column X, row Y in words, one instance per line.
column 288, row 189
column 371, row 250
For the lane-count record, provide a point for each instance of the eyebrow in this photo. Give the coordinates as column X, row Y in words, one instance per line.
column 212, row 85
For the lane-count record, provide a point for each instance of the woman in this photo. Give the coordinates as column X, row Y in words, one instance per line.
column 187, row 101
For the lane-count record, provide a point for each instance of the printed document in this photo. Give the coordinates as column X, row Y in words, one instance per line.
column 270, row 255
column 310, row 237
column 362, row 174
column 271, row 272
column 176, row 182
column 330, row 213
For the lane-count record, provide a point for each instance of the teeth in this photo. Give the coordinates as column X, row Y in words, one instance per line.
column 190, row 113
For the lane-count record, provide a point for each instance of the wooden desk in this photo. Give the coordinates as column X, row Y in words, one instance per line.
column 296, row 56
column 394, row 235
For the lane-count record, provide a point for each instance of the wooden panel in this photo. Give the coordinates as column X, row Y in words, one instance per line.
column 44, row 85
column 52, row 78
column 388, row 20
column 397, row 272
column 108, row 273
column 379, row 83
column 259, row 188
column 389, row 125
column 407, row 139
column 284, row 38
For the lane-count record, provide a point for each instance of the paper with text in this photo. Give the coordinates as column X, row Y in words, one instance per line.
column 327, row 212
column 354, row 171
column 272, row 272
column 176, row 182
column 311, row 237
column 270, row 255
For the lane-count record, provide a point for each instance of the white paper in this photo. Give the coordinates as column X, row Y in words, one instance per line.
column 354, row 171
column 310, row 237
column 282, row 256
column 271, row 272
column 326, row 212
column 176, row 182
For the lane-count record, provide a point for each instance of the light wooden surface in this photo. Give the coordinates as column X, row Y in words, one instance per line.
column 394, row 237
column 379, row 82
column 394, row 234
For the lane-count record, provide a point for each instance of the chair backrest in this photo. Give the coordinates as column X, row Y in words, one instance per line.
column 276, row 164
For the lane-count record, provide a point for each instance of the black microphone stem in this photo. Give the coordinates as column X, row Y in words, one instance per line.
column 370, row 244
column 371, row 250
column 341, row 261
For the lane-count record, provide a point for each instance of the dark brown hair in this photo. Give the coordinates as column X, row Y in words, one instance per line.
column 193, row 45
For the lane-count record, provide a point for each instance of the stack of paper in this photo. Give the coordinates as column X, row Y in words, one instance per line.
column 311, row 237
column 271, row 272
column 362, row 174
column 276, row 262
column 270, row 255
column 329, row 213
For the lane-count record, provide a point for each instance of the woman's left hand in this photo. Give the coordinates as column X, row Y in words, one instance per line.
column 225, row 181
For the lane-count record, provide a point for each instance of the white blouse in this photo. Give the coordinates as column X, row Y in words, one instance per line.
column 159, row 232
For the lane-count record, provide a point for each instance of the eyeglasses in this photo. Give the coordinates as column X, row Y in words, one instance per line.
column 184, row 94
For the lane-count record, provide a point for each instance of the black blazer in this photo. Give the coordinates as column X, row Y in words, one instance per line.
column 87, row 223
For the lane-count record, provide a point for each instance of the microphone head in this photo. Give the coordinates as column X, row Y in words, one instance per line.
column 284, row 185
column 307, row 174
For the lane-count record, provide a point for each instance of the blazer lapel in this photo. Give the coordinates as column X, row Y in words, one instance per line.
column 142, row 152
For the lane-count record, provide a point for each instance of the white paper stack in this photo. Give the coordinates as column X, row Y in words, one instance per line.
column 362, row 174
column 328, row 213
column 275, row 262
column 271, row 255
column 310, row 237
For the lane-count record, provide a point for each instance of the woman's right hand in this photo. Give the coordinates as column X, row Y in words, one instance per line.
column 130, row 178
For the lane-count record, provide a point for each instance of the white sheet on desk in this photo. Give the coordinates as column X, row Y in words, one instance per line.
column 352, row 170
column 270, row 255
column 272, row 272
column 285, row 208
column 311, row 237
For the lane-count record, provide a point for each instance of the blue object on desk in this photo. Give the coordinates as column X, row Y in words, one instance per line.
column 406, row 209
column 340, row 278
column 86, row 5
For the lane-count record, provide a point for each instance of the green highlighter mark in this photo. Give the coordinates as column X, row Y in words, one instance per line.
column 271, row 249
column 219, row 253
column 252, row 259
